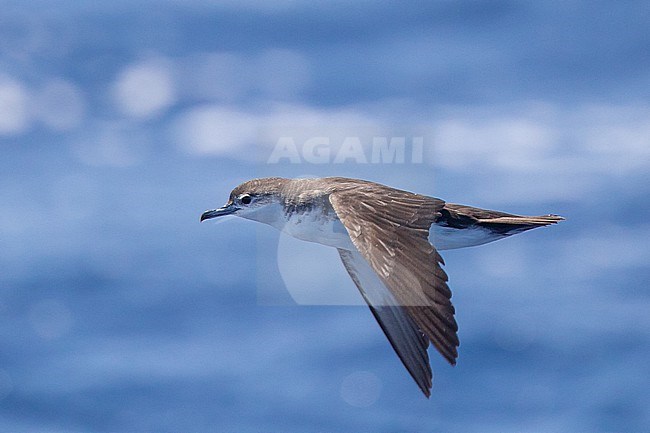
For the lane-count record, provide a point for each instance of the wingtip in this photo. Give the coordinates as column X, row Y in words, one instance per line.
column 452, row 357
column 426, row 389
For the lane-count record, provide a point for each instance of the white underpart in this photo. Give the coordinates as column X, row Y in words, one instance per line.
column 308, row 226
column 448, row 238
column 313, row 227
column 331, row 232
column 327, row 230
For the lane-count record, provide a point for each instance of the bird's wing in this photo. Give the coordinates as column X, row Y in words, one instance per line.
column 409, row 342
column 390, row 228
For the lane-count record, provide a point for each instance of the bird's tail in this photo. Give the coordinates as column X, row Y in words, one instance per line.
column 514, row 223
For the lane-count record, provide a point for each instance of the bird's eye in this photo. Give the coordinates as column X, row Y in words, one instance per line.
column 245, row 199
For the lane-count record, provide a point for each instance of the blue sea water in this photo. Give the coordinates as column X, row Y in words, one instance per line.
column 121, row 122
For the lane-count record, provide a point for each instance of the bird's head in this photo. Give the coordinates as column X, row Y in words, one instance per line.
column 257, row 199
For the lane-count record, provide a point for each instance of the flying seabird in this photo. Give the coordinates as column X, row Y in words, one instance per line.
column 388, row 240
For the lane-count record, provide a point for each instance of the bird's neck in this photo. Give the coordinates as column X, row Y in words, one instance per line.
column 313, row 221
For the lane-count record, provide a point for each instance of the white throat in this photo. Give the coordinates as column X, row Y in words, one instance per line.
column 315, row 224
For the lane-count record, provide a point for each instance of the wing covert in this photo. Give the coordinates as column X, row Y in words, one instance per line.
column 390, row 229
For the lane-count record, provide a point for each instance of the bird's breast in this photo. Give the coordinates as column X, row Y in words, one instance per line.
column 316, row 224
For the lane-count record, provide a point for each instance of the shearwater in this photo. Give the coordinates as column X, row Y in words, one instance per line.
column 388, row 240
